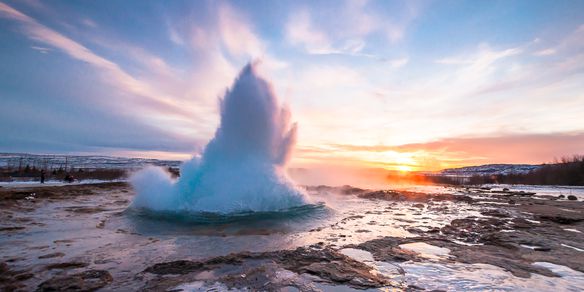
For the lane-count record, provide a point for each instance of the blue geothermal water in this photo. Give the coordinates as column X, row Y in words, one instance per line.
column 242, row 168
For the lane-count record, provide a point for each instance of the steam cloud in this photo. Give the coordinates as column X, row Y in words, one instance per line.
column 241, row 169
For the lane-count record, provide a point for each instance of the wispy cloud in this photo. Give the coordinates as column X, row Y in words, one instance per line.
column 398, row 63
column 567, row 62
column 112, row 72
column 545, row 52
column 483, row 58
column 168, row 94
column 237, row 34
column 89, row 23
column 347, row 29
column 42, row 50
column 301, row 31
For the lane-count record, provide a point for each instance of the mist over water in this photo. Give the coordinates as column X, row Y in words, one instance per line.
column 242, row 168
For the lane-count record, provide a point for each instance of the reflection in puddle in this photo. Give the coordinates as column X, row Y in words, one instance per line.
column 426, row 250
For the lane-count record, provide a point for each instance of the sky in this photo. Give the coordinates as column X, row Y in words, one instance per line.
column 403, row 85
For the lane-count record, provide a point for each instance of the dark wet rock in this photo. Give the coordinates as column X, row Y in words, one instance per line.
column 350, row 190
column 329, row 265
column 14, row 259
column 507, row 192
column 387, row 249
column 542, row 248
column 572, row 198
column 11, row 228
column 472, row 230
column 90, row 280
column 326, row 264
column 257, row 278
column 562, row 219
column 344, row 190
column 506, row 258
column 24, row 276
column 52, row 255
column 415, row 288
column 350, row 218
column 521, row 223
column 10, row 280
column 100, row 224
column 433, row 230
column 175, row 267
column 66, row 265
column 419, row 231
column 556, row 211
column 495, row 213
column 85, row 209
column 392, row 195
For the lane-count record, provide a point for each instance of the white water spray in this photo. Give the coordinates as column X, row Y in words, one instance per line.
column 242, row 168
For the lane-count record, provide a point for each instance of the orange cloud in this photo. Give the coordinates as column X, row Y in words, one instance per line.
column 463, row 151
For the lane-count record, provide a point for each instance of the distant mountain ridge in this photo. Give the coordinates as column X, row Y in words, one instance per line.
column 490, row 169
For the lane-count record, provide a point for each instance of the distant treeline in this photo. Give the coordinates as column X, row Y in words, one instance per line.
column 60, row 173
column 567, row 171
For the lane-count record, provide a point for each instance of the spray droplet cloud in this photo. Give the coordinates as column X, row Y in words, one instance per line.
column 243, row 166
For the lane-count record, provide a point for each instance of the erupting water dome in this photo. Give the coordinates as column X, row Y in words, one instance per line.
column 243, row 166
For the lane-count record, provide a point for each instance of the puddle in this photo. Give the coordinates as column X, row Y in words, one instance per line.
column 426, row 250
column 483, row 277
column 358, row 254
column 572, row 247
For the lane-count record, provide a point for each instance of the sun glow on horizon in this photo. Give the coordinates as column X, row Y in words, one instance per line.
column 404, row 168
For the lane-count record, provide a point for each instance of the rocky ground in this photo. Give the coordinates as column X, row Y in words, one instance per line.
column 512, row 230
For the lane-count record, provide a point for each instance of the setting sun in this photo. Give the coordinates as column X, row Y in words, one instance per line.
column 404, row 168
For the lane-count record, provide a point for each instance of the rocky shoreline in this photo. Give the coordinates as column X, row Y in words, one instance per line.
column 513, row 231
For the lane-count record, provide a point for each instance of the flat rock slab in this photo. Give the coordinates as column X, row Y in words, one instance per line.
column 90, row 280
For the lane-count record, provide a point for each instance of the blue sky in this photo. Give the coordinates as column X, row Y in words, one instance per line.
column 377, row 83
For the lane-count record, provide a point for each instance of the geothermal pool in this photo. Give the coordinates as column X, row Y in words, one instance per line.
column 410, row 239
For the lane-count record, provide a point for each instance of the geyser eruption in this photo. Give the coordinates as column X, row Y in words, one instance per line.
column 241, row 169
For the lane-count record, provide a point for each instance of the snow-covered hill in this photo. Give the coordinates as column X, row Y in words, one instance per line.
column 16, row 160
column 490, row 169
